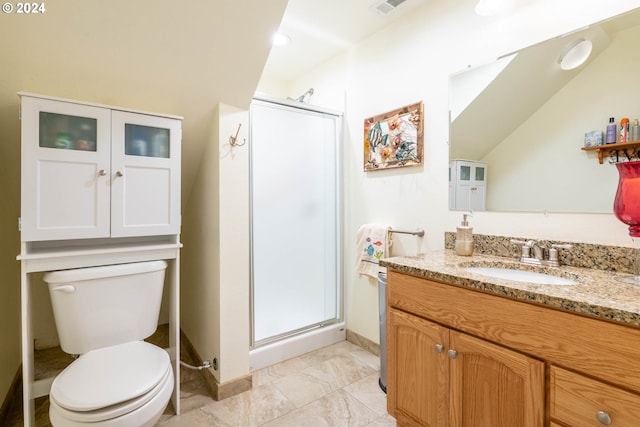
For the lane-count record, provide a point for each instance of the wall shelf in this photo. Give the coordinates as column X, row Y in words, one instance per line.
column 608, row 149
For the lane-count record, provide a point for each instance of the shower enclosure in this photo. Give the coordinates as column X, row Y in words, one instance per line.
column 296, row 295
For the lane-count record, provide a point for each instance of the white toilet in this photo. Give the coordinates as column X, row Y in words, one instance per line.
column 103, row 314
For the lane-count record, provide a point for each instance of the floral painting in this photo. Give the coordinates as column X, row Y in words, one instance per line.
column 394, row 139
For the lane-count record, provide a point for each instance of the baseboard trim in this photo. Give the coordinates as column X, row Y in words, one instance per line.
column 13, row 397
column 218, row 391
column 363, row 342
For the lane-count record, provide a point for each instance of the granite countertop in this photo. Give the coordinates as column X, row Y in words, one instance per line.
column 597, row 292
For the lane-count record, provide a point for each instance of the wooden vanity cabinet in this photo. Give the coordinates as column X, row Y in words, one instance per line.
column 458, row 357
column 441, row 377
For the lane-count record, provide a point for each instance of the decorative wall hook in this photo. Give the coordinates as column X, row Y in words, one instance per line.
column 233, row 140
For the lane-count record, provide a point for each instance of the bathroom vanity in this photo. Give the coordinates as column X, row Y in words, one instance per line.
column 100, row 185
column 471, row 350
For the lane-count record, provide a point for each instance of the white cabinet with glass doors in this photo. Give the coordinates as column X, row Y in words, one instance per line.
column 100, row 186
column 90, row 171
column 467, row 185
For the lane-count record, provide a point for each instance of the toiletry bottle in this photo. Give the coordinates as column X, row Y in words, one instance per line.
column 635, row 131
column 612, row 130
column 464, row 238
column 624, row 130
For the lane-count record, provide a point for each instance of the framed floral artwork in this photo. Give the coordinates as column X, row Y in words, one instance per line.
column 394, row 139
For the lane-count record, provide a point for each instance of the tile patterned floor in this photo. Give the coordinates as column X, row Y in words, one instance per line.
column 332, row 386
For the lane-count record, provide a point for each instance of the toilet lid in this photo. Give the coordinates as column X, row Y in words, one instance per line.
column 110, row 375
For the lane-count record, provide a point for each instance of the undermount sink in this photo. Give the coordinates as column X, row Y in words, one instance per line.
column 521, row 275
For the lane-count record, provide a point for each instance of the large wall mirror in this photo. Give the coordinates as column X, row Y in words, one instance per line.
column 526, row 118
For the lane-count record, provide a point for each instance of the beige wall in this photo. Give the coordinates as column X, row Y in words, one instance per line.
column 216, row 260
column 412, row 61
column 9, row 247
column 408, row 62
column 544, row 153
column 234, row 245
column 215, row 267
column 200, row 281
column 150, row 55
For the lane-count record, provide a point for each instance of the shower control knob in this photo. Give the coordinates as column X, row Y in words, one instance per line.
column 439, row 348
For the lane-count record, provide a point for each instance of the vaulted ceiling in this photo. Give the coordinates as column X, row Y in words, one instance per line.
column 163, row 56
column 320, row 30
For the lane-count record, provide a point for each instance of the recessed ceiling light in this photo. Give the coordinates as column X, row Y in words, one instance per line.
column 576, row 54
column 280, row 39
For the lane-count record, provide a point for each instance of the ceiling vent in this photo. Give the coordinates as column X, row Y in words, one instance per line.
column 386, row 6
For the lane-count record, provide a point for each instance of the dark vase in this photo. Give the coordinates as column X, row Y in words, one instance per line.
column 626, row 207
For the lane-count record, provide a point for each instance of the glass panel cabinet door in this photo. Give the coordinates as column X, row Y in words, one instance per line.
column 145, row 158
column 67, row 132
column 65, row 170
column 146, row 141
column 465, row 173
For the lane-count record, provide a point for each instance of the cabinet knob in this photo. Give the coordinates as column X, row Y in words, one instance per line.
column 452, row 354
column 102, row 172
column 439, row 348
column 603, row 417
column 119, row 174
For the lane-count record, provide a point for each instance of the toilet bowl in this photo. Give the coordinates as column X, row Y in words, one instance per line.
column 103, row 314
column 125, row 385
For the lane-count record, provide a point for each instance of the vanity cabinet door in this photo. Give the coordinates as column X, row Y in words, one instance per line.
column 418, row 370
column 65, row 176
column 583, row 402
column 494, row 387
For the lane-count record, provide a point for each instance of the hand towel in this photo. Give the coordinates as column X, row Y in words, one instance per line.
column 372, row 243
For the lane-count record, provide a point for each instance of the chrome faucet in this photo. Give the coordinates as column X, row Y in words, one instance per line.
column 538, row 253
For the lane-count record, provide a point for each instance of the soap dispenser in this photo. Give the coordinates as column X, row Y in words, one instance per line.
column 464, row 237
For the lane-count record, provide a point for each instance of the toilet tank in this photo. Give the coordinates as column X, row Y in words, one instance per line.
column 99, row 307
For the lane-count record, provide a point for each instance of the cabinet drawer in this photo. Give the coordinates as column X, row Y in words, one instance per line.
column 577, row 400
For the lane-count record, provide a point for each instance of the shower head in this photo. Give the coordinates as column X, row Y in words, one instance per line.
column 301, row 97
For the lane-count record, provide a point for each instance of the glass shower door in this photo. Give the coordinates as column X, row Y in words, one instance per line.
column 294, row 220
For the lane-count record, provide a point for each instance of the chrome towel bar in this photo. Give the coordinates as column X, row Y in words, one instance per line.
column 418, row 232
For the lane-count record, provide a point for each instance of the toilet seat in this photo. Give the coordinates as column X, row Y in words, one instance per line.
column 112, row 381
column 117, row 410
